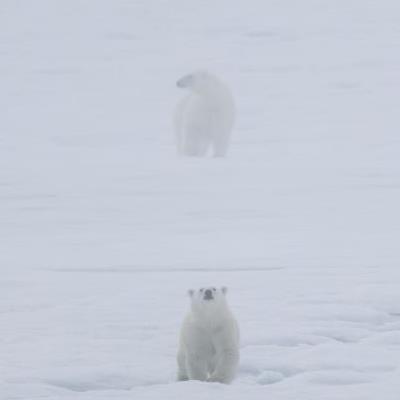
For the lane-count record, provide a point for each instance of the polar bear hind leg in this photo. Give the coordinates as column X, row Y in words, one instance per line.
column 220, row 145
column 196, row 145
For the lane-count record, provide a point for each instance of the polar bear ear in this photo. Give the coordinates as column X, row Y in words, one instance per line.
column 190, row 292
column 224, row 289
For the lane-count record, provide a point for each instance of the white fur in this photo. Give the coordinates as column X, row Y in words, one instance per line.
column 205, row 116
column 209, row 339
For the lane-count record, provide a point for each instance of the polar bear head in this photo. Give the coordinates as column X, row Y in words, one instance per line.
column 208, row 298
column 200, row 82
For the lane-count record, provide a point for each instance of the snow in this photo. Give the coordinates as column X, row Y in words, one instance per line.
column 103, row 228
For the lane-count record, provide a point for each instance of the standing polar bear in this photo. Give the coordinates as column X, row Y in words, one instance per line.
column 205, row 116
column 209, row 339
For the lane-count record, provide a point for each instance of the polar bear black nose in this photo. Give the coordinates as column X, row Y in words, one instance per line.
column 208, row 294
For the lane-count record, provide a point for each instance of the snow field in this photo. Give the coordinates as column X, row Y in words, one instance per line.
column 103, row 229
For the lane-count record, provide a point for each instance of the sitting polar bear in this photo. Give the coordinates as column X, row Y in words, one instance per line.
column 205, row 116
column 209, row 339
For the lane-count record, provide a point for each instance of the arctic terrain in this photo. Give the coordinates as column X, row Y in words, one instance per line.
column 104, row 228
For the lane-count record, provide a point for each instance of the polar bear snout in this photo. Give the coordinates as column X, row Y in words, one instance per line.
column 185, row 81
column 208, row 294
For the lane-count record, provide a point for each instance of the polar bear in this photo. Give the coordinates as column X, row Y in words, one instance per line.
column 205, row 116
column 209, row 338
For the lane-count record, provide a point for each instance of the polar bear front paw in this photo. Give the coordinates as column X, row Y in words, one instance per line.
column 219, row 379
